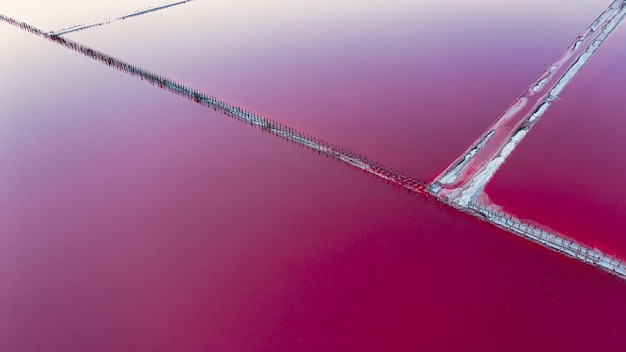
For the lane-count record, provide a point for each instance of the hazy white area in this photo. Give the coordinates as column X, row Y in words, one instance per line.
column 53, row 15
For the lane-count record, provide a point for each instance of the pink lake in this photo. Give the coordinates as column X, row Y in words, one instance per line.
column 133, row 219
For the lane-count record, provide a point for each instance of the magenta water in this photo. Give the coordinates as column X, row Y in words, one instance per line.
column 568, row 172
column 134, row 219
column 286, row 132
column 389, row 82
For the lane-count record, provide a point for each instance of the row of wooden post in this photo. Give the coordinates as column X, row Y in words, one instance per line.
column 236, row 112
column 544, row 236
column 244, row 115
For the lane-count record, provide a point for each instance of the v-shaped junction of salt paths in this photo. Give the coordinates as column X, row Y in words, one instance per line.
column 463, row 182
column 465, row 179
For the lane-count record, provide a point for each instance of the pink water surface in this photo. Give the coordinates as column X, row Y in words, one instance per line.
column 569, row 171
column 132, row 219
column 410, row 84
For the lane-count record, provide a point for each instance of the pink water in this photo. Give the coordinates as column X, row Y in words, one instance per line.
column 568, row 173
column 408, row 84
column 133, row 219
